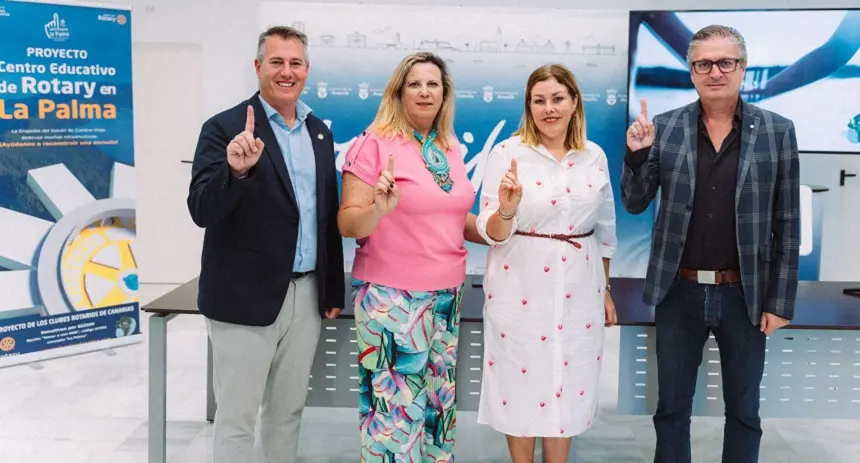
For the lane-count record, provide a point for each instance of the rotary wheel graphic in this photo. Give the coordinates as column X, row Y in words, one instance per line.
column 98, row 268
column 85, row 260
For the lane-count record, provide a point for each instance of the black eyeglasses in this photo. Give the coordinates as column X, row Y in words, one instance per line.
column 726, row 65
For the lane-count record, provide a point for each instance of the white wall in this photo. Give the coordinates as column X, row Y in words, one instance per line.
column 166, row 74
column 225, row 33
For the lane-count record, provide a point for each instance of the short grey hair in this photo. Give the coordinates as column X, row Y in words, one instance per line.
column 284, row 32
column 712, row 31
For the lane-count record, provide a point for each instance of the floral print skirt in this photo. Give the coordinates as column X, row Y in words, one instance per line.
column 407, row 351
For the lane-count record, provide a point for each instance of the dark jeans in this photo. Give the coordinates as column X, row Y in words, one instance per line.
column 684, row 319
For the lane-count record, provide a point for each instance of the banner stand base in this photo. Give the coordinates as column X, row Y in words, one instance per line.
column 68, row 351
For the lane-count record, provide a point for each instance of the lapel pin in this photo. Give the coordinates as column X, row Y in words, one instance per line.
column 320, row 136
column 752, row 126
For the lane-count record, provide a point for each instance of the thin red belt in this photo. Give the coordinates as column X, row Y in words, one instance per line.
column 557, row 236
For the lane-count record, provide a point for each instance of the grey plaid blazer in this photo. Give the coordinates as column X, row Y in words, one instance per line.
column 766, row 204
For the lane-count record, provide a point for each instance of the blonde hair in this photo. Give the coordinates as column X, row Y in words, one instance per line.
column 391, row 120
column 528, row 130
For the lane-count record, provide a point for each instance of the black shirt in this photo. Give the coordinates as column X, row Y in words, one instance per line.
column 711, row 242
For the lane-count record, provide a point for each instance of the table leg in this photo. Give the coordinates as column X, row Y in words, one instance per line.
column 158, row 387
column 210, row 389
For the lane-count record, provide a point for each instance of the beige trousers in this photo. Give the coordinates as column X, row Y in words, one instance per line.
column 268, row 367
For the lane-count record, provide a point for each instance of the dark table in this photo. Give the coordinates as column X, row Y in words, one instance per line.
column 821, row 305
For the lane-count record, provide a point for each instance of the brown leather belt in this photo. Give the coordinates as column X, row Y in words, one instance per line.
column 557, row 236
column 710, row 277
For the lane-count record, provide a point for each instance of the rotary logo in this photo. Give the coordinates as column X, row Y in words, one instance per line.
column 120, row 19
column 7, row 344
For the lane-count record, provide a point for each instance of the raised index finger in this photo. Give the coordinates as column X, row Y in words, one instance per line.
column 390, row 168
column 514, row 166
column 644, row 110
column 249, row 121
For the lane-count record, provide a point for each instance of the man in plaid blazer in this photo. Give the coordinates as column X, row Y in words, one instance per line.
column 725, row 247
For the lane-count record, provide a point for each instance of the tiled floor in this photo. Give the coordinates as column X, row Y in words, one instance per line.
column 92, row 408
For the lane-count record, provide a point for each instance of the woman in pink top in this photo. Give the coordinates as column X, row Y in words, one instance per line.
column 406, row 199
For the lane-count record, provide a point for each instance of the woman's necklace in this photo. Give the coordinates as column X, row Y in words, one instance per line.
column 435, row 161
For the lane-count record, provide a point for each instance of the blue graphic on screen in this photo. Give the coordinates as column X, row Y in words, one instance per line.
column 803, row 64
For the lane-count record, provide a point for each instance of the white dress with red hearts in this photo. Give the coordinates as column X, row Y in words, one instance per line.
column 544, row 298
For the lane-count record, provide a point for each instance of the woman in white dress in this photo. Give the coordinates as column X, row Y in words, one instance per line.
column 547, row 210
